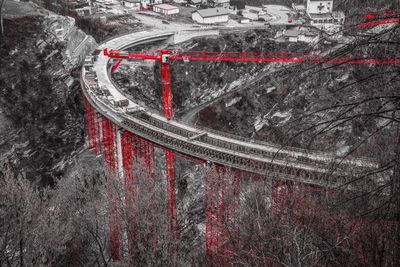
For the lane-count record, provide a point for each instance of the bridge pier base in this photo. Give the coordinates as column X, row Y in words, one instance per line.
column 222, row 185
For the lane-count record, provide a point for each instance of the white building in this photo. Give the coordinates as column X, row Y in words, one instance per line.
column 251, row 14
column 322, row 16
column 196, row 3
column 292, row 35
column 299, row 8
column 211, row 15
column 219, row 3
column 166, row 9
column 298, row 34
column 254, row 13
column 84, row 11
column 133, row 4
column 147, row 3
column 180, row 1
column 308, row 37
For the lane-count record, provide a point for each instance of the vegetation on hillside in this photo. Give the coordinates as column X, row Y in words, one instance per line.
column 269, row 223
column 36, row 100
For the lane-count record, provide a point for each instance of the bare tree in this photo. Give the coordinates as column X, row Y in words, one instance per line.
column 64, row 226
column 367, row 105
column 1, row 17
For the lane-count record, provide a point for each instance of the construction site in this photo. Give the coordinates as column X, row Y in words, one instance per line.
column 171, row 145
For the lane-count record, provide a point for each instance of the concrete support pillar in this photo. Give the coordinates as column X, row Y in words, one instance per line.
column 120, row 169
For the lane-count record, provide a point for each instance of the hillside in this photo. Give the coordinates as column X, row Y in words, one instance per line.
column 39, row 96
column 62, row 204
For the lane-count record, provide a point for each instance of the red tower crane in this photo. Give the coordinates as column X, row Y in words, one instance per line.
column 166, row 56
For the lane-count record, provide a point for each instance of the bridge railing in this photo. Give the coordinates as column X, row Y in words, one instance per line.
column 232, row 145
column 236, row 159
column 281, row 148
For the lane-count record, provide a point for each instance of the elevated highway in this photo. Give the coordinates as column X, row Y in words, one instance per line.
column 276, row 162
column 126, row 133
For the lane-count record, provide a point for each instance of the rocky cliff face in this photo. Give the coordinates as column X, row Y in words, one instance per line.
column 41, row 111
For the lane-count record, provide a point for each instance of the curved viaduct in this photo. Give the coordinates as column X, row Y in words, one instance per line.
column 115, row 123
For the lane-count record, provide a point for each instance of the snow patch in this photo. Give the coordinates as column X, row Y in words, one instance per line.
column 238, row 82
column 12, row 52
column 271, row 89
column 344, row 77
column 233, row 101
column 342, row 149
column 286, row 114
column 259, row 123
column 192, row 46
column 284, row 117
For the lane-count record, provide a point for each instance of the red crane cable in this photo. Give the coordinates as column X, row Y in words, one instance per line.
column 260, row 57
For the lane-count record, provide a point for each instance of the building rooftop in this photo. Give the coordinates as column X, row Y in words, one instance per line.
column 212, row 12
column 84, row 8
column 299, row 7
column 166, row 6
column 221, row 1
column 310, row 31
column 292, row 33
column 247, row 7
